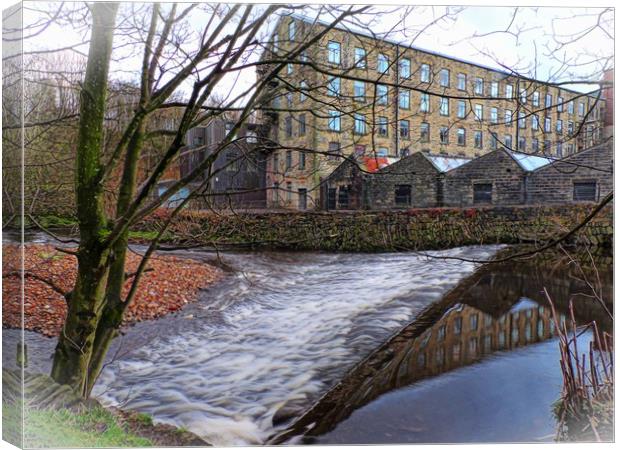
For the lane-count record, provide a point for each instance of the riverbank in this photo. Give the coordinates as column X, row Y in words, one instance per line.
column 60, row 419
column 169, row 285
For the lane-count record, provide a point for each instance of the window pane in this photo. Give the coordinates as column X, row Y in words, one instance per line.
column 405, row 68
column 444, row 77
column 360, row 124
column 333, row 52
column 584, row 191
column 443, row 106
column 424, row 103
column 402, row 194
column 382, row 63
column 425, row 73
column 382, row 94
column 443, row 135
column 403, row 99
column 460, row 136
column 461, row 81
column 404, row 129
column 483, row 193
column 360, row 57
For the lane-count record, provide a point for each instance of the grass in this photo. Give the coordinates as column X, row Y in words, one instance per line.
column 144, row 419
column 95, row 427
column 52, row 221
column 143, row 235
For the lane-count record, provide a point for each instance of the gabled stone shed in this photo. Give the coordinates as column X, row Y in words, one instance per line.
column 497, row 178
column 584, row 176
column 415, row 181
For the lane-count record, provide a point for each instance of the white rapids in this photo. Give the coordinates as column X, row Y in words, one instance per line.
column 280, row 331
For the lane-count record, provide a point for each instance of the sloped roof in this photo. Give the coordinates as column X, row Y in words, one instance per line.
column 523, row 304
column 374, row 164
column 529, row 162
column 446, row 163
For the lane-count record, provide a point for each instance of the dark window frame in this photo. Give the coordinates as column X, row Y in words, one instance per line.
column 402, row 195
column 482, row 193
column 584, row 191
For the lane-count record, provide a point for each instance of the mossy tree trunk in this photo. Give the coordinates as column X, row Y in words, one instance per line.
column 115, row 306
column 75, row 343
column 97, row 304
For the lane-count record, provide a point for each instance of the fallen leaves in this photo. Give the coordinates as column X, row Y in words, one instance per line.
column 171, row 284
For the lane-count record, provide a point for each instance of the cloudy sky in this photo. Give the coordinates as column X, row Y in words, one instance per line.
column 489, row 35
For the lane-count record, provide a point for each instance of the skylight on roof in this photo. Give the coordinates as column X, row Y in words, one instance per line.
column 530, row 162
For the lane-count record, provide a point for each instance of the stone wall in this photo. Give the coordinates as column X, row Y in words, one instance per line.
column 555, row 183
column 414, row 229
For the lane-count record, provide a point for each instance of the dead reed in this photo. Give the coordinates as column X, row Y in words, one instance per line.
column 585, row 410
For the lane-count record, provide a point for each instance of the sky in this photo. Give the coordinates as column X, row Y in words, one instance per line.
column 465, row 36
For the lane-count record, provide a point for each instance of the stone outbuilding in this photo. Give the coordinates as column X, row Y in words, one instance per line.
column 346, row 186
column 583, row 176
column 497, row 178
column 414, row 181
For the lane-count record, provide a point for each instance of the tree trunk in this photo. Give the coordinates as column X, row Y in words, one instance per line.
column 114, row 308
column 75, row 343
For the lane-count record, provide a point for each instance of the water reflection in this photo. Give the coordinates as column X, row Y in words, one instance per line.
column 498, row 309
column 465, row 334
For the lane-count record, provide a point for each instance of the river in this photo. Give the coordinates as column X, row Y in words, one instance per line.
column 263, row 346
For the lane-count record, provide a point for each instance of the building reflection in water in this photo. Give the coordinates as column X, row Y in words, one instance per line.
column 501, row 307
column 465, row 335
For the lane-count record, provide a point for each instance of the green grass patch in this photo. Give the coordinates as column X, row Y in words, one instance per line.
column 51, row 221
column 149, row 235
column 144, row 419
column 143, row 235
column 95, row 427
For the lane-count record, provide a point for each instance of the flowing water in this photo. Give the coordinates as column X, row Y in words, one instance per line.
column 272, row 338
column 480, row 365
column 257, row 357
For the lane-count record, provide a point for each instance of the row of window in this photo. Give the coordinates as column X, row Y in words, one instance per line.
column 334, row 124
column 478, row 83
column 288, row 161
column 471, row 351
column 404, row 102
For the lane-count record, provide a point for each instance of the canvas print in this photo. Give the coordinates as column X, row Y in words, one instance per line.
column 233, row 224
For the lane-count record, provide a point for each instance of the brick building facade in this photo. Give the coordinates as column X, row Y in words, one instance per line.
column 352, row 94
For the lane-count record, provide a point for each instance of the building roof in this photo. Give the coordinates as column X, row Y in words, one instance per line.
column 360, row 32
column 523, row 304
column 374, row 164
column 529, row 162
column 446, row 163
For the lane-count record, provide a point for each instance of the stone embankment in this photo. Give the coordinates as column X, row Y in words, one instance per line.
column 374, row 231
